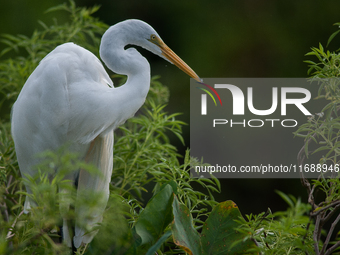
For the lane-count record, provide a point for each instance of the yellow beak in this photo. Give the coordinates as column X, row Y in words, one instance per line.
column 173, row 58
column 177, row 61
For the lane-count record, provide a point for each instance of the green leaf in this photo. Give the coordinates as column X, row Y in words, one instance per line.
column 156, row 216
column 173, row 185
column 321, row 149
column 332, row 36
column 183, row 231
column 285, row 198
column 219, row 234
column 61, row 7
column 153, row 249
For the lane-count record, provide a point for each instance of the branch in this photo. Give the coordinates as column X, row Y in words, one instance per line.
column 316, row 236
column 331, row 213
column 301, row 158
column 304, row 181
column 10, row 234
column 335, row 203
column 330, row 234
column 6, row 215
column 330, row 250
column 6, row 190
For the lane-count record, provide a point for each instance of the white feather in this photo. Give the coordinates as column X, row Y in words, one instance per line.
column 67, row 100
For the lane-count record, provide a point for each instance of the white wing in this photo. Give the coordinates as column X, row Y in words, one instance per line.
column 62, row 102
column 100, row 154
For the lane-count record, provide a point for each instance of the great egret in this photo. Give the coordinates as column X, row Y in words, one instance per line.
column 67, row 100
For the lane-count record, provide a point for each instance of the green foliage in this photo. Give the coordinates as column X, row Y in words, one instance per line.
column 286, row 232
column 324, row 128
column 82, row 29
column 292, row 231
column 177, row 219
column 321, row 134
column 146, row 156
column 327, row 65
column 144, row 160
column 184, row 233
column 156, row 216
column 219, row 234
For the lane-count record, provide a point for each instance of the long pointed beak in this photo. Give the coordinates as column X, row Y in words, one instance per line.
column 177, row 61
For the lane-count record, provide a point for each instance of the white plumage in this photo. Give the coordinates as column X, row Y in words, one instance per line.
column 67, row 99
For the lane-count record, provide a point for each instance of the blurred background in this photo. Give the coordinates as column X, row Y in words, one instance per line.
column 217, row 38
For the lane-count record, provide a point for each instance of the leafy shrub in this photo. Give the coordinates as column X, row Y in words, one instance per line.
column 177, row 219
column 302, row 228
column 143, row 158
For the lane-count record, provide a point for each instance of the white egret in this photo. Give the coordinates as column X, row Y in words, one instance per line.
column 67, row 100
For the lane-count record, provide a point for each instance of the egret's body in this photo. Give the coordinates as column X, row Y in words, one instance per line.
column 67, row 100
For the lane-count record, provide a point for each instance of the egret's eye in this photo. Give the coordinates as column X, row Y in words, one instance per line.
column 155, row 40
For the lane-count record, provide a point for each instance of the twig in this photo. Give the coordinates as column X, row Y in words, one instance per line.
column 305, row 236
column 331, row 213
column 311, row 200
column 304, row 181
column 9, row 181
column 328, row 238
column 330, row 250
column 9, row 234
column 315, row 235
column 6, row 190
column 325, row 208
column 5, row 211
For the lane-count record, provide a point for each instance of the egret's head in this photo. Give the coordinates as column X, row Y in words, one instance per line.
column 142, row 34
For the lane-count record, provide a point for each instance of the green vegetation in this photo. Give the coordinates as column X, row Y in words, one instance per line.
column 178, row 218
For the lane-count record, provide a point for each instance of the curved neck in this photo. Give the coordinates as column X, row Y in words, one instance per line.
column 127, row 62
